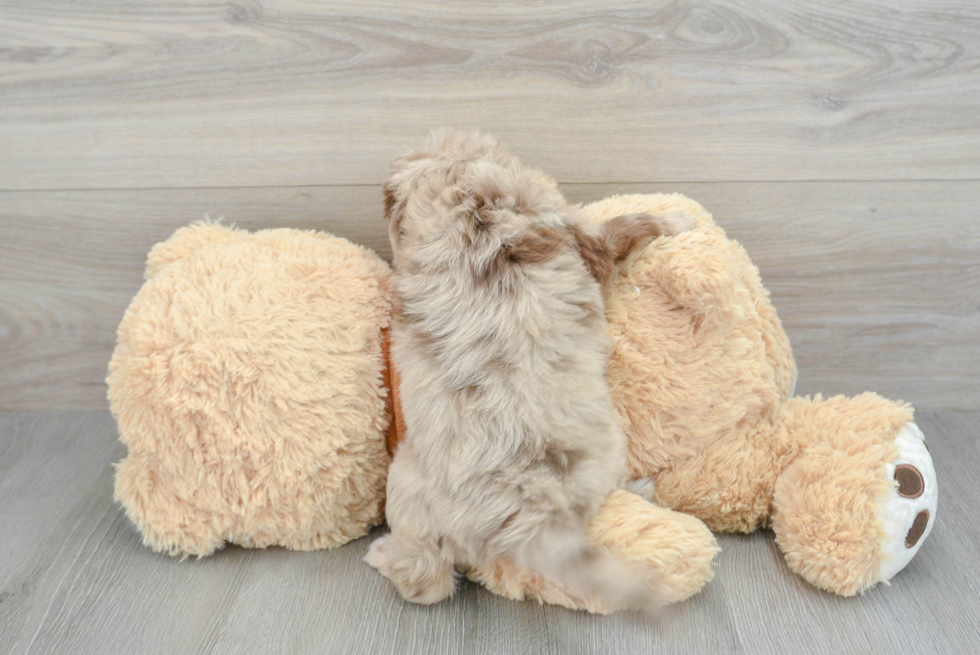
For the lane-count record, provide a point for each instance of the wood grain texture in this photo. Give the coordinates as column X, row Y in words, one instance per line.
column 75, row 578
column 878, row 284
column 291, row 92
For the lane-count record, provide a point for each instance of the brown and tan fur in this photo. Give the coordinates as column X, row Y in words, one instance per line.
column 500, row 339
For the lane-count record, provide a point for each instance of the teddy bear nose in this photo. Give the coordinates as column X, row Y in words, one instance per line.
column 910, row 483
column 918, row 527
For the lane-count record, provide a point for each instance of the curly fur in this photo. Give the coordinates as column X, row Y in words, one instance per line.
column 500, row 337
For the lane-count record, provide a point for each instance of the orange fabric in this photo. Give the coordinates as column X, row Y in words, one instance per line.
column 396, row 427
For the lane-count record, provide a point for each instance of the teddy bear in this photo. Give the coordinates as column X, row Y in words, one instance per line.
column 251, row 387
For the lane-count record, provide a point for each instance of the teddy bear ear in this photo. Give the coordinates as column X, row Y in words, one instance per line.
column 186, row 240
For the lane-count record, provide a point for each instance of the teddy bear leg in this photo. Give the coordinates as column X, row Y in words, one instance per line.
column 169, row 524
column 825, row 518
column 671, row 552
column 852, row 510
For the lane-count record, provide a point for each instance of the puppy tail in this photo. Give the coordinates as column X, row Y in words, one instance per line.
column 563, row 555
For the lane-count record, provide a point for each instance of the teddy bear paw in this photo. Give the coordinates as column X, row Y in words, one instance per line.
column 909, row 510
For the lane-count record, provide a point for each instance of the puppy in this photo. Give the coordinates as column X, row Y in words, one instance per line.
column 499, row 336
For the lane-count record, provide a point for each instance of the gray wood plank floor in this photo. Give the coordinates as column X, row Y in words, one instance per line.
column 74, row 578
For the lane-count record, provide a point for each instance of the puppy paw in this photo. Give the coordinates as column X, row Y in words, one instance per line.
column 642, row 487
column 376, row 556
column 419, row 573
column 641, row 599
column 909, row 511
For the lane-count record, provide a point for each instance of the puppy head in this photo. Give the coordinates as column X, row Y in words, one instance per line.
column 462, row 192
column 423, row 188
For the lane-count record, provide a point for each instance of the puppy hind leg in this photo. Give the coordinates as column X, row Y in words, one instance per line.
column 627, row 232
column 420, row 572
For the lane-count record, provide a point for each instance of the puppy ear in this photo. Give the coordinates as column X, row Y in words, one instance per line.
column 390, row 200
column 624, row 233
column 481, row 217
column 536, row 246
column 401, row 176
column 394, row 211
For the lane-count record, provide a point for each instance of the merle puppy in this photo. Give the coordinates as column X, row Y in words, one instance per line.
column 499, row 337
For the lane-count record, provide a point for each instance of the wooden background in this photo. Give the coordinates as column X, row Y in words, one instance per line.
column 839, row 141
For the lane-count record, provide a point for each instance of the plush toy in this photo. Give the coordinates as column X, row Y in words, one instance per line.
column 247, row 383
column 250, row 385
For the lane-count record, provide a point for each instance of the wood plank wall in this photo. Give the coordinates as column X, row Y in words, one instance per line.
column 840, row 142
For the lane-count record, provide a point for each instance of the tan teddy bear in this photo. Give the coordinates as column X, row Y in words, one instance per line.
column 250, row 385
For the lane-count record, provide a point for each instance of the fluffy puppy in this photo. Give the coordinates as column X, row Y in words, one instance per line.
column 499, row 337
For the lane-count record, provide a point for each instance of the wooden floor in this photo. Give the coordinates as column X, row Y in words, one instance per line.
column 838, row 141
column 75, row 579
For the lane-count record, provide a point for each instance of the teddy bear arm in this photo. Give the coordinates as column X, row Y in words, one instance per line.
column 779, row 353
column 700, row 270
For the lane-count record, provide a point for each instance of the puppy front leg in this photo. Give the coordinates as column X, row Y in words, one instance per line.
column 645, row 488
column 419, row 571
column 623, row 234
column 618, row 237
